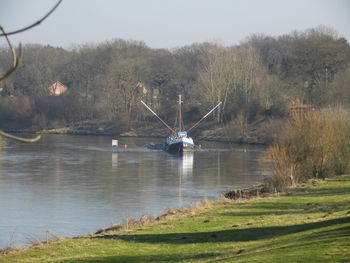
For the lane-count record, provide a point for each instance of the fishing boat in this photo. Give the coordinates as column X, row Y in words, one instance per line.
column 178, row 141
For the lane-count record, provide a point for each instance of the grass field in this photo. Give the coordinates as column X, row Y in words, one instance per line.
column 310, row 223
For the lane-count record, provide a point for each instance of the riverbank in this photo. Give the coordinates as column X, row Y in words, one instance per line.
column 261, row 131
column 309, row 223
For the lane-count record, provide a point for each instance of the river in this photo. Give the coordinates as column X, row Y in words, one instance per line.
column 68, row 185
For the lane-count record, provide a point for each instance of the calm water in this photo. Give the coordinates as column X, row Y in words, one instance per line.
column 72, row 185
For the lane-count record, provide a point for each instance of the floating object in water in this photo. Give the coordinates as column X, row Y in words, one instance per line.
column 114, row 143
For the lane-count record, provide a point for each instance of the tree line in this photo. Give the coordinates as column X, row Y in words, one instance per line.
column 261, row 76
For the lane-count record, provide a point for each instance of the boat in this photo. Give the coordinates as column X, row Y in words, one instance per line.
column 179, row 141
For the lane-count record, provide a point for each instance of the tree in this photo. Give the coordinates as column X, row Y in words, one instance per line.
column 232, row 75
column 306, row 61
column 339, row 89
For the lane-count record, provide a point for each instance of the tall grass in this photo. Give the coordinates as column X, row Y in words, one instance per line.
column 313, row 144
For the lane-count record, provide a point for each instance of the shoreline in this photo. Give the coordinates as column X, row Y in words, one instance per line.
column 262, row 131
column 67, row 131
column 256, row 229
column 226, row 197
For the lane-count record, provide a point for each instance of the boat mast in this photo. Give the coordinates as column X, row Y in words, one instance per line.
column 180, row 114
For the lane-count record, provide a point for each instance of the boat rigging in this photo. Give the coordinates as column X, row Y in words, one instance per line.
column 179, row 142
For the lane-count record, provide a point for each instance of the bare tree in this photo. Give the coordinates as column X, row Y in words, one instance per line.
column 218, row 76
column 231, row 75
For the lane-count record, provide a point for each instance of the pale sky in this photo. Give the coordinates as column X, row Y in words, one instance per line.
column 168, row 23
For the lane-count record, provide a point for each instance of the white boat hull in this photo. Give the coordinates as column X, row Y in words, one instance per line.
column 179, row 145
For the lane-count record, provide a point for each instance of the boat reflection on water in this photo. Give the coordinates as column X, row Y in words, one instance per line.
column 186, row 164
column 182, row 162
column 185, row 172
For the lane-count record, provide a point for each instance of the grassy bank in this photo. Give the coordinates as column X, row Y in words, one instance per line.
column 310, row 223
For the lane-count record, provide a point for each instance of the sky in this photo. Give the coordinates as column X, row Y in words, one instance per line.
column 168, row 23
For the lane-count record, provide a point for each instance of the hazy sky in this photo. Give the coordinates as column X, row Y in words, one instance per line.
column 169, row 23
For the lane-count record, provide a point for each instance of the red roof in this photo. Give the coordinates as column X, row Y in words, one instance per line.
column 57, row 89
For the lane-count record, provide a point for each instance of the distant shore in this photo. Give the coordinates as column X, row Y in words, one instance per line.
column 262, row 131
column 204, row 134
column 209, row 135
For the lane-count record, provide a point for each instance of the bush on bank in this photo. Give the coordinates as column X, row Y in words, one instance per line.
column 313, row 144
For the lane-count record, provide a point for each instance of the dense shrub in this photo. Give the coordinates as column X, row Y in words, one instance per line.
column 314, row 144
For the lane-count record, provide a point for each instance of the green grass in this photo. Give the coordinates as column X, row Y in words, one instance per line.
column 310, row 223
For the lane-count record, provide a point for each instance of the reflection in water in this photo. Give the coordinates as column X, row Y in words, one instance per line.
column 114, row 159
column 187, row 164
column 218, row 164
column 185, row 169
column 55, row 183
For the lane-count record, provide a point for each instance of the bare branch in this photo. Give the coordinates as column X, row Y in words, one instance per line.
column 16, row 61
column 34, row 24
column 37, row 138
column 10, row 46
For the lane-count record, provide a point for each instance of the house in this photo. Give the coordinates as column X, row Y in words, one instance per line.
column 143, row 87
column 147, row 90
column 57, row 89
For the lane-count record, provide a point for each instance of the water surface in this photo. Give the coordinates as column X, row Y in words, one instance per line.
column 73, row 185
